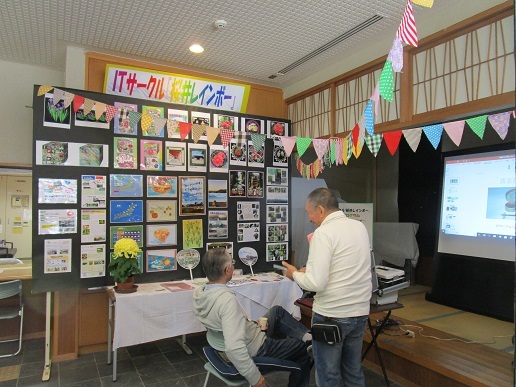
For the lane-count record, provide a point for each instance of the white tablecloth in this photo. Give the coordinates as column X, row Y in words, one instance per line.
column 395, row 242
column 154, row 313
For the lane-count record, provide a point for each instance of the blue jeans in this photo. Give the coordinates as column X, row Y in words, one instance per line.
column 283, row 341
column 342, row 359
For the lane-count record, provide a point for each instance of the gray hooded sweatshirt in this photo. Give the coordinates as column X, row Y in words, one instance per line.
column 229, row 329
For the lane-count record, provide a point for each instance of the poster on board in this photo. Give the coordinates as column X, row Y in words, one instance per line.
column 362, row 212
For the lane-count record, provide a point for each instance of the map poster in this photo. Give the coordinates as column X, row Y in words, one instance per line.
column 93, row 191
column 93, row 261
column 126, row 186
column 126, row 211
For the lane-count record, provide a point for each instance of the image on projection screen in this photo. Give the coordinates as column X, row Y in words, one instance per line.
column 478, row 209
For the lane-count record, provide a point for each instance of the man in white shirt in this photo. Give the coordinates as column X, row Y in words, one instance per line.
column 339, row 270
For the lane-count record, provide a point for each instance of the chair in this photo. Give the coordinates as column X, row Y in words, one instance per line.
column 4, row 252
column 11, row 289
column 225, row 371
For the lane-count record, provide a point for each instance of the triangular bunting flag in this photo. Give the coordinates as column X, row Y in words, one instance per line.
column 413, row 137
column 354, row 135
column 258, row 140
column 42, row 90
column 500, row 123
column 159, row 123
column 396, row 55
column 184, row 129
column 302, row 145
column 212, row 134
column 172, row 127
column 240, row 138
column 320, row 146
column 100, row 108
column 58, row 96
column 133, row 118
column 375, row 97
column 333, row 152
column 434, row 134
column 362, row 132
column 407, row 31
column 374, row 143
column 316, row 168
column 339, row 150
column 147, row 120
column 225, row 136
column 110, row 112
column 197, row 132
column 78, row 101
column 288, row 144
column 424, row 3
column 357, row 151
column 478, row 125
column 67, row 99
column 369, row 118
column 88, row 106
column 392, row 140
column 386, row 83
column 514, row 113
column 455, row 130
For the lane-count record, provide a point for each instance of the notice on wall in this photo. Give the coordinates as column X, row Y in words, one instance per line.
column 93, row 226
column 57, row 222
column 93, row 261
column 58, row 256
column 362, row 212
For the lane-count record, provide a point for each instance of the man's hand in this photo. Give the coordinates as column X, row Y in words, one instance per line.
column 290, row 270
column 261, row 382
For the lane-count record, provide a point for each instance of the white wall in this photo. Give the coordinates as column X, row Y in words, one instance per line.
column 428, row 21
column 18, row 81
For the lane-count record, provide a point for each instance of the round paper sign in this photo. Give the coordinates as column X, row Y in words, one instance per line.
column 248, row 255
column 188, row 258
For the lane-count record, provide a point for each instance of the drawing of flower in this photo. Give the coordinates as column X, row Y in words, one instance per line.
column 219, row 158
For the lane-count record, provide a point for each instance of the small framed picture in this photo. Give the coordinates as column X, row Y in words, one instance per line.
column 160, row 260
column 162, row 235
column 192, row 195
column 161, row 210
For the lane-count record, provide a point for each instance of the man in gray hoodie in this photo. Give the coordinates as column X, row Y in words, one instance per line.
column 231, row 331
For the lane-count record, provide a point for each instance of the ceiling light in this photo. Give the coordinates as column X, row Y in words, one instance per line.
column 196, row 48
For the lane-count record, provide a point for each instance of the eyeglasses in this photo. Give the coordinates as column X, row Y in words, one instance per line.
column 232, row 263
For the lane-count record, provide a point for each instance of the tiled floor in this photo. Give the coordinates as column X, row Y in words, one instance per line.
column 162, row 363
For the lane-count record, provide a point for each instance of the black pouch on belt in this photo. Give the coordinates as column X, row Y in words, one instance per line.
column 326, row 332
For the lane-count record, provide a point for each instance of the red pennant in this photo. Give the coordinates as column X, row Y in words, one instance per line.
column 407, row 31
column 392, row 140
column 110, row 112
column 184, row 129
column 355, row 133
column 77, row 102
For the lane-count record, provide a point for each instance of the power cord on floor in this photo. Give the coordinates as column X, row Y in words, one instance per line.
column 420, row 330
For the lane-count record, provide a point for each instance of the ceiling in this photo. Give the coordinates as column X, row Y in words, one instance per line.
column 260, row 39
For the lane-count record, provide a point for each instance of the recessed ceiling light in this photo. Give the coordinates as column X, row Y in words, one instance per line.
column 196, row 48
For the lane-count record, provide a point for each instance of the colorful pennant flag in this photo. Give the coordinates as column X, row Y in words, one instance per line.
column 500, row 123
column 288, row 144
column 375, row 97
column 374, row 143
column 197, row 132
column 413, row 137
column 100, row 108
column 172, row 127
column 240, row 138
column 78, row 101
column 302, row 145
column 362, row 132
column 258, row 140
column 42, row 90
column 369, row 118
column 349, row 148
column 212, row 134
column 133, row 118
column 88, row 106
column 110, row 112
column 354, row 135
column 225, row 136
column 159, row 123
column 434, row 134
column 396, row 55
column 184, row 129
column 320, row 146
column 67, row 99
column 424, row 3
column 407, row 31
column 147, row 120
column 386, row 83
column 58, row 96
column 478, row 125
column 392, row 140
column 454, row 130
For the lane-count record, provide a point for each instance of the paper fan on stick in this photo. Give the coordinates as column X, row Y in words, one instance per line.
column 248, row 256
column 188, row 259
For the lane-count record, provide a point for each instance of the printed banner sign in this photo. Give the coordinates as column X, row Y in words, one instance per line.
column 154, row 85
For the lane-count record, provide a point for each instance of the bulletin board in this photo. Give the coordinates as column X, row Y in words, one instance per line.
column 100, row 176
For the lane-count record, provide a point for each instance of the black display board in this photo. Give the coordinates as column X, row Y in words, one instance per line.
column 91, row 144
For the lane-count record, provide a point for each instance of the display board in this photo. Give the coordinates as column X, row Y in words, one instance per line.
column 97, row 179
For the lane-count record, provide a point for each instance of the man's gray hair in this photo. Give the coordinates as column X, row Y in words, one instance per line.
column 214, row 263
column 323, row 197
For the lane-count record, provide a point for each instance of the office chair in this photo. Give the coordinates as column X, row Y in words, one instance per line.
column 225, row 371
column 4, row 252
column 11, row 289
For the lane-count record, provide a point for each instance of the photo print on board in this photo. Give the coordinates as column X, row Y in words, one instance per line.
column 217, row 193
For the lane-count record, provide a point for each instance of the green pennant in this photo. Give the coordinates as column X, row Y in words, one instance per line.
column 302, row 145
column 478, row 125
column 333, row 152
column 386, row 83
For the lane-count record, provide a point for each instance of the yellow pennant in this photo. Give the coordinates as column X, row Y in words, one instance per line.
column 100, row 108
column 212, row 134
column 146, row 121
column 44, row 89
column 424, row 3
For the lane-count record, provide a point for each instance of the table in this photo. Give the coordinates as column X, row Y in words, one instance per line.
column 306, row 310
column 14, row 272
column 155, row 313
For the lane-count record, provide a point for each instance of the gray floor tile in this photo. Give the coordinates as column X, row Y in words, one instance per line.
column 32, row 356
column 76, row 375
column 190, row 367
column 30, row 369
column 81, row 361
column 35, row 380
column 126, row 379
column 122, row 366
column 9, row 383
column 180, row 356
column 169, row 383
column 153, row 360
column 198, row 381
column 159, row 373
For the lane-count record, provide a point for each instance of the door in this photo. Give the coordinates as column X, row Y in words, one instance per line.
column 18, row 225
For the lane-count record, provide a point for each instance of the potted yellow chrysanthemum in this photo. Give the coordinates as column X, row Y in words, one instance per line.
column 124, row 264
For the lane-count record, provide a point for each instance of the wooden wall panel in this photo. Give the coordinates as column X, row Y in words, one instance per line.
column 93, row 315
column 263, row 100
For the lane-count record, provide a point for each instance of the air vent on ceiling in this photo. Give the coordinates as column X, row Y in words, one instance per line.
column 355, row 30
